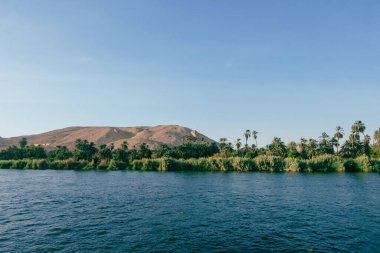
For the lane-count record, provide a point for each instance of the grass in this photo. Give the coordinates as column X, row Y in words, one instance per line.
column 325, row 163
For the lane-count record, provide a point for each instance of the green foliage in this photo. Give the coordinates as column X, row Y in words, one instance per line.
column 193, row 150
column 60, row 153
column 14, row 153
column 6, row 164
column 145, row 165
column 277, row 147
column 364, row 164
column 43, row 164
column 270, row 163
column 105, row 152
column 244, row 164
column 84, row 150
column 295, row 165
column 351, row 165
column 375, row 165
column 326, row 163
column 144, row 151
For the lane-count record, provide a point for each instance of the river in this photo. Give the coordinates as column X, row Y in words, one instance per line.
column 127, row 211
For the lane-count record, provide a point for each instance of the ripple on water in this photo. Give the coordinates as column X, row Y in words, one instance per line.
column 66, row 211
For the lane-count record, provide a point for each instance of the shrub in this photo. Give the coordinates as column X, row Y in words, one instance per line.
column 6, row 164
column 72, row 164
column 364, row 164
column 117, row 165
column 18, row 164
column 136, row 165
column 150, row 164
column 244, row 164
column 270, row 163
column 375, row 165
column 326, row 163
column 351, row 165
column 57, row 165
column 296, row 165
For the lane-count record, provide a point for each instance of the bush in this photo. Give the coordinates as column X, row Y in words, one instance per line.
column 117, row 165
column 326, row 163
column 270, row 163
column 244, row 164
column 19, row 164
column 375, row 165
column 351, row 165
column 6, row 164
column 296, row 165
column 363, row 162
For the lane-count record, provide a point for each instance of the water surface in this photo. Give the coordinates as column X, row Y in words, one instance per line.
column 67, row 211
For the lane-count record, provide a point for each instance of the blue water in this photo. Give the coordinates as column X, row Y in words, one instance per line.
column 68, row 211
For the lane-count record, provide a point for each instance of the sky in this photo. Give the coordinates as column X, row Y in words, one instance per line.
column 286, row 68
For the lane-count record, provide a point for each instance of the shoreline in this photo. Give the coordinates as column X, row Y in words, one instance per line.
column 324, row 163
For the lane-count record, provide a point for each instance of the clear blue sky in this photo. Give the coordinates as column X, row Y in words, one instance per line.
column 285, row 68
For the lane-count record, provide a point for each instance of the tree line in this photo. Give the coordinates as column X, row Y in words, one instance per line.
column 358, row 143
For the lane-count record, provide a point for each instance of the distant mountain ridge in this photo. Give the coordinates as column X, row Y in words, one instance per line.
column 154, row 136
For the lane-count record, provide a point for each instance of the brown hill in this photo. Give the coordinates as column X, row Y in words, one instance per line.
column 171, row 135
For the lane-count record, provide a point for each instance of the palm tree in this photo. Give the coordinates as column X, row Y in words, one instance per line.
column 254, row 135
column 277, row 147
column 246, row 134
column 311, row 148
column 238, row 144
column 224, row 146
column 339, row 133
column 366, row 145
column 358, row 127
column 325, row 144
column 324, row 138
column 376, row 138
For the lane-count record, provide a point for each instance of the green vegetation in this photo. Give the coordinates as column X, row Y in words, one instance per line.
column 322, row 155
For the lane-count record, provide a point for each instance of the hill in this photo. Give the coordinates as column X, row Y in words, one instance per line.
column 154, row 136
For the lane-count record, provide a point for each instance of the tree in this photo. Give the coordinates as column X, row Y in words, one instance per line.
column 358, row 127
column 339, row 133
column 247, row 134
column 162, row 151
column 292, row 149
column 225, row 146
column 238, row 144
column 144, row 151
column 376, row 139
column 353, row 146
column 366, row 148
column 311, row 148
column 121, row 154
column 23, row 142
column 325, row 146
column 84, row 150
column 60, row 153
column 105, row 153
column 277, row 147
column 254, row 135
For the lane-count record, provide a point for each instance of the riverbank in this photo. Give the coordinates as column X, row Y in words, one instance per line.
column 324, row 163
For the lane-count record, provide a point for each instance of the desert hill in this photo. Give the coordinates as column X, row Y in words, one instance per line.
column 154, row 136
